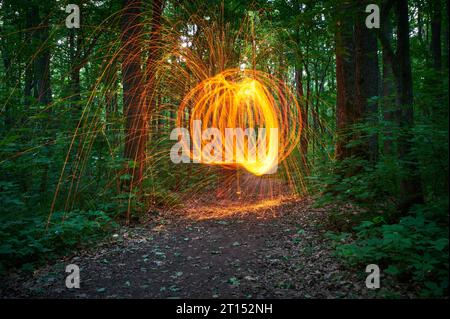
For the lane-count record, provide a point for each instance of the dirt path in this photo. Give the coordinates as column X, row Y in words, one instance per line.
column 272, row 250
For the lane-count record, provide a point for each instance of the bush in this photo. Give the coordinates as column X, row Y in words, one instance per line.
column 28, row 242
column 414, row 249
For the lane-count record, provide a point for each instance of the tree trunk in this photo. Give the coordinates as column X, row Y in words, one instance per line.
column 410, row 185
column 152, row 61
column 301, row 96
column 8, row 65
column 304, row 113
column 74, row 78
column 436, row 51
column 30, row 23
column 446, row 35
column 388, row 88
column 43, row 89
column 133, row 104
column 42, row 65
column 367, row 78
column 345, row 82
column 110, row 81
column 420, row 23
column 357, row 78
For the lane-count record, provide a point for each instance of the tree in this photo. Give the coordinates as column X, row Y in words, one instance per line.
column 42, row 78
column 304, row 102
column 150, row 90
column 389, row 114
column 345, row 81
column 410, row 184
column 357, row 76
column 367, row 79
column 436, row 51
column 134, row 108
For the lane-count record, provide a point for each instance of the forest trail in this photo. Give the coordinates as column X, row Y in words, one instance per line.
column 274, row 250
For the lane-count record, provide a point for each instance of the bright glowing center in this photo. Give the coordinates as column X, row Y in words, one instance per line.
column 251, row 102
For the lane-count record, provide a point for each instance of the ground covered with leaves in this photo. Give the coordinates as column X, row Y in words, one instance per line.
column 274, row 250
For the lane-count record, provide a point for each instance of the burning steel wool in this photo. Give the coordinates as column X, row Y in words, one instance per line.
column 243, row 118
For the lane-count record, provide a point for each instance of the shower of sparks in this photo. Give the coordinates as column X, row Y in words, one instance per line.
column 244, row 99
column 261, row 209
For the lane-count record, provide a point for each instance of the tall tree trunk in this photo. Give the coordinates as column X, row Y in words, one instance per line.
column 436, row 79
column 11, row 81
column 345, row 82
column 133, row 104
column 30, row 23
column 304, row 113
column 446, row 35
column 300, row 94
column 420, row 23
column 357, row 78
column 367, row 79
column 410, row 184
column 388, row 87
column 152, row 61
column 436, row 51
column 110, row 82
column 74, row 74
column 43, row 89
column 42, row 65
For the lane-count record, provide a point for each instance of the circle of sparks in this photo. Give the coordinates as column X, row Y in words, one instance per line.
column 244, row 99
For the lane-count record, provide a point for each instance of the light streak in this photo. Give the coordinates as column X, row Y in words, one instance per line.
column 246, row 100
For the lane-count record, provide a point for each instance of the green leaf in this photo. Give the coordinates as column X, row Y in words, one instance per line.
column 392, row 270
column 234, row 281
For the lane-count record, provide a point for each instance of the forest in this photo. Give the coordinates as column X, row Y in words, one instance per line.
column 116, row 153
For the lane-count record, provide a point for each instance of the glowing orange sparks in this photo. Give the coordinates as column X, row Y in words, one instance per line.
column 250, row 101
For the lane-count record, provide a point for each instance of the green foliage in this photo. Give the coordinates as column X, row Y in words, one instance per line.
column 414, row 249
column 368, row 185
column 27, row 242
column 364, row 198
